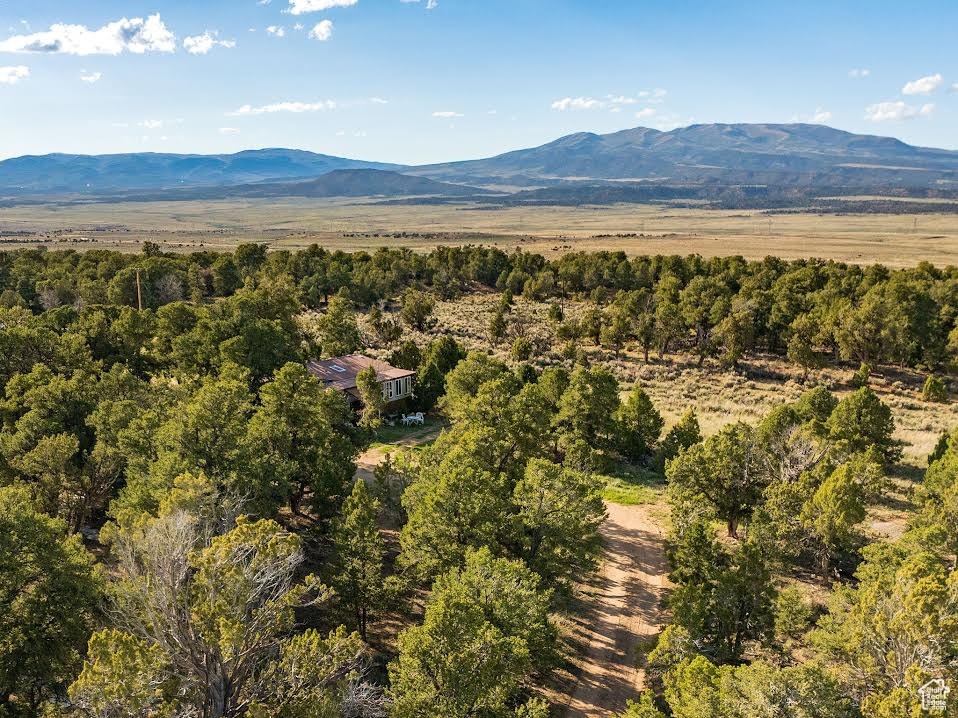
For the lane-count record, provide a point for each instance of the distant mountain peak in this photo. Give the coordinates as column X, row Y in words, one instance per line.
column 788, row 154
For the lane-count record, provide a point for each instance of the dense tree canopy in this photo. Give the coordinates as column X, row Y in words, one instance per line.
column 207, row 468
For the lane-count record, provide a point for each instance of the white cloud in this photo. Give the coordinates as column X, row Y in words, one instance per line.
column 447, row 114
column 644, row 113
column 90, row 77
column 276, row 31
column 322, row 31
column 299, row 7
column 896, row 111
column 151, row 124
column 430, row 4
column 202, row 44
column 657, row 95
column 299, row 26
column 954, row 87
column 577, row 103
column 295, row 107
column 134, row 35
column 819, row 117
column 13, row 75
column 923, row 85
column 228, row 131
column 379, row 100
column 858, row 73
column 613, row 103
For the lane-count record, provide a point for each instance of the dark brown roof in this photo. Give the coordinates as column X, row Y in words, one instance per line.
column 341, row 372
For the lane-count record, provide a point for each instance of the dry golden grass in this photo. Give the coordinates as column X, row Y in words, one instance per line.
column 722, row 397
column 350, row 225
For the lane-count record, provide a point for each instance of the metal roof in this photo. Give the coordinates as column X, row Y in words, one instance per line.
column 341, row 372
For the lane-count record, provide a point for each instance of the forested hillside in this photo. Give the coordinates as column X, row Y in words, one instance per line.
column 183, row 533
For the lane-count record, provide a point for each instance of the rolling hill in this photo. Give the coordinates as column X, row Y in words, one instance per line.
column 336, row 183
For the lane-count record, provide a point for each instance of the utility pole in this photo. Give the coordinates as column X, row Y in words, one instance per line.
column 139, row 294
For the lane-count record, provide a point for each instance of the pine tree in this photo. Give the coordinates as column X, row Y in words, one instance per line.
column 641, row 424
column 359, row 550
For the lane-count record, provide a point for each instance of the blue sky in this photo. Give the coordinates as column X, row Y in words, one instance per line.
column 437, row 80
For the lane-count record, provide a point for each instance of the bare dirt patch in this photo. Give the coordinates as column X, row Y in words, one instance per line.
column 621, row 608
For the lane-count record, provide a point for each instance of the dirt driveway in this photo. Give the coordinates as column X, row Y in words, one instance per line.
column 622, row 606
column 367, row 461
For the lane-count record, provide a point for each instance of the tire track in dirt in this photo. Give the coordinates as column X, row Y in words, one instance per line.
column 623, row 607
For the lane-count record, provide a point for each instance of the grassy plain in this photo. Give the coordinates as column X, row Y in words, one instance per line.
column 895, row 240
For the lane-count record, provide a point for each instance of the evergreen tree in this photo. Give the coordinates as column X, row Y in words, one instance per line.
column 861, row 421
column 486, row 628
column 337, row 328
column 684, row 434
column 49, row 592
column 360, row 549
column 723, row 472
column 640, row 425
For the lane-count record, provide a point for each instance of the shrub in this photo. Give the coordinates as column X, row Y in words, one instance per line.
column 860, row 377
column 521, row 349
column 935, row 389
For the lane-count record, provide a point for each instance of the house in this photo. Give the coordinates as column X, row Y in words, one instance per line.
column 341, row 372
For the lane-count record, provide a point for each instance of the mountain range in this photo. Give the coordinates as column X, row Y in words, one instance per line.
column 723, row 155
column 95, row 174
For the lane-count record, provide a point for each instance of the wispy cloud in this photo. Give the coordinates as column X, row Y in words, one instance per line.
column 645, row 113
column 613, row 103
column 202, row 44
column 818, row 117
column 13, row 75
column 923, row 85
column 294, row 107
column 577, row 103
column 134, row 35
column 379, row 100
column 90, row 77
column 447, row 114
column 430, row 4
column 228, row 130
column 151, row 124
column 858, row 73
column 300, row 7
column 322, row 31
column 276, row 31
column 896, row 111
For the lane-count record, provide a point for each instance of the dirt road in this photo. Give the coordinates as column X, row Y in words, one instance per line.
column 367, row 462
column 622, row 606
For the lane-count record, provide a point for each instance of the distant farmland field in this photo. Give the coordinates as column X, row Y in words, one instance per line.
column 892, row 239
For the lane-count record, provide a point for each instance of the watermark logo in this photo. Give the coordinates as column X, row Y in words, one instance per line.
column 934, row 695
